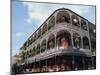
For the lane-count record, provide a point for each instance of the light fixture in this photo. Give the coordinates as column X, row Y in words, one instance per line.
column 75, row 20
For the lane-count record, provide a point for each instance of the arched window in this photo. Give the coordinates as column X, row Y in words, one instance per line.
column 44, row 28
column 51, row 22
column 76, row 40
column 38, row 49
column 51, row 42
column 63, row 16
column 63, row 39
column 75, row 20
column 83, row 24
column 86, row 43
column 43, row 46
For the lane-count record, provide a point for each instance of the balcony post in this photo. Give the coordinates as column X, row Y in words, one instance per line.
column 83, row 61
column 46, row 45
column 72, row 43
column 89, row 37
column 73, row 62
column 46, row 64
column 55, row 42
column 81, row 42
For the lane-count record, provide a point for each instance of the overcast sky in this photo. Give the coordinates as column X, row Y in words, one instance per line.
column 28, row 16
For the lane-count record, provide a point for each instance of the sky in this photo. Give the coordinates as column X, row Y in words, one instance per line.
column 28, row 16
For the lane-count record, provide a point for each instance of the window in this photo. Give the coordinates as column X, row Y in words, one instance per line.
column 51, row 42
column 93, row 46
column 63, row 16
column 51, row 22
column 38, row 49
column 35, row 36
column 63, row 39
column 33, row 51
column 86, row 43
column 27, row 53
column 25, row 44
column 44, row 28
column 43, row 46
column 92, row 29
column 30, row 52
column 83, row 25
column 77, row 40
column 75, row 20
column 39, row 33
column 30, row 41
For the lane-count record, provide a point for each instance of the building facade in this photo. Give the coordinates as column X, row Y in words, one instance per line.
column 65, row 41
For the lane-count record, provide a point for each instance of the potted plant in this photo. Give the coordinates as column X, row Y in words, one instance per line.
column 51, row 44
column 77, row 42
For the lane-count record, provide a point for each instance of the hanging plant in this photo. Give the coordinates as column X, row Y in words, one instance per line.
column 51, row 44
column 43, row 47
column 77, row 42
column 63, row 39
